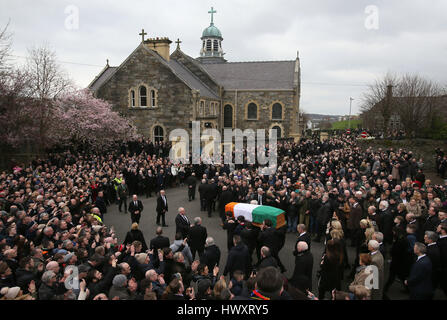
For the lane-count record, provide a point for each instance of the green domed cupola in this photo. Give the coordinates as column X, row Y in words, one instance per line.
column 211, row 51
column 211, row 31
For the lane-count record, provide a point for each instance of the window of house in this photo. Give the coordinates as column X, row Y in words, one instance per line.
column 278, row 131
column 277, row 112
column 228, row 116
column 252, row 111
column 132, row 98
column 202, row 108
column 158, row 134
column 216, row 45
column 143, row 96
column 208, row 45
column 153, row 99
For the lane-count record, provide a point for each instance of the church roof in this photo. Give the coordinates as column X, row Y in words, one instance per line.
column 191, row 80
column 102, row 78
column 253, row 75
column 177, row 68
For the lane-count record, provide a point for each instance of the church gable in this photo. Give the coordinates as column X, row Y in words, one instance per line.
column 194, row 67
column 173, row 100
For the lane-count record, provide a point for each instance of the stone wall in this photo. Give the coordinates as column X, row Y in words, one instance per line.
column 175, row 99
column 264, row 100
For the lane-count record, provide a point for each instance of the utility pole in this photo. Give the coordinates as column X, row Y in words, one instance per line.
column 350, row 105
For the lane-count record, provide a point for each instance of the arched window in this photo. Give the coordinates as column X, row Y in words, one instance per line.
column 208, row 45
column 158, row 134
column 143, row 96
column 153, row 99
column 216, row 45
column 278, row 131
column 252, row 111
column 132, row 98
column 228, row 116
column 202, row 108
column 207, row 109
column 277, row 111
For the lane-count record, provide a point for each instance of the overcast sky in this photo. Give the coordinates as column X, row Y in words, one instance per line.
column 342, row 47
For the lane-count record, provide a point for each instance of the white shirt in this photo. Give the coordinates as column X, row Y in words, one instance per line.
column 431, row 244
column 421, row 257
column 302, row 233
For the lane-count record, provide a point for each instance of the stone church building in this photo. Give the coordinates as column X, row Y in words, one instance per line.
column 162, row 91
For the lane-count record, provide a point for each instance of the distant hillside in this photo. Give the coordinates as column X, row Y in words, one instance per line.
column 345, row 124
column 320, row 117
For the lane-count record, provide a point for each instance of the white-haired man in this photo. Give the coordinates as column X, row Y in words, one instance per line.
column 182, row 223
column 211, row 254
column 302, row 274
column 378, row 261
column 196, row 237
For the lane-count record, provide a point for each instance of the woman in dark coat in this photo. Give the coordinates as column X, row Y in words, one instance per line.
column 401, row 259
column 135, row 235
column 330, row 269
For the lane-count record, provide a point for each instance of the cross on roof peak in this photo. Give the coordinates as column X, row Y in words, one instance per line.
column 212, row 12
column 142, row 34
column 178, row 43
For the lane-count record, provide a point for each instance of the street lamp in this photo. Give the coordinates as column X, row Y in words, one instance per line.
column 350, row 105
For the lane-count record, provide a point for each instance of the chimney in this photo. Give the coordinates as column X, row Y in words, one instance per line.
column 389, row 91
column 161, row 45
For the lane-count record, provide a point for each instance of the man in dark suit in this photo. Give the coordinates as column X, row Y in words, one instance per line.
column 196, row 237
column 225, row 198
column 271, row 238
column 122, row 193
column 259, row 197
column 101, row 204
column 162, row 208
column 135, row 209
column 266, row 259
column 211, row 254
column 182, row 223
column 302, row 274
column 442, row 243
column 238, row 258
column 191, row 182
column 433, row 252
column 303, row 235
column 432, row 221
column 210, row 194
column 419, row 282
column 159, row 242
column 202, row 189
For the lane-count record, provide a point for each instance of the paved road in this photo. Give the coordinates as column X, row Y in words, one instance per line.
column 177, row 197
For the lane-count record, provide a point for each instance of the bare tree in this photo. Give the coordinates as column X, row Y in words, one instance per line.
column 417, row 103
column 5, row 48
column 377, row 101
column 48, row 80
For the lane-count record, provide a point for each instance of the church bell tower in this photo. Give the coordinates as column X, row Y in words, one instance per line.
column 211, row 51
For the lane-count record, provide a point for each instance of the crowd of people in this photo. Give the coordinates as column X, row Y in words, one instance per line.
column 56, row 244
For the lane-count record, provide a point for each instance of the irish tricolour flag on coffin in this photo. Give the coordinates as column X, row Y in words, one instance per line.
column 257, row 214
